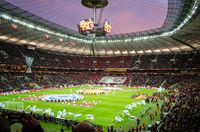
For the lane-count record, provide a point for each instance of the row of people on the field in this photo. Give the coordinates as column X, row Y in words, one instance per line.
column 137, row 94
column 13, row 92
column 138, row 128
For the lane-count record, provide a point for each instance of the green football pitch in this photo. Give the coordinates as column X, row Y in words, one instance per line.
column 107, row 106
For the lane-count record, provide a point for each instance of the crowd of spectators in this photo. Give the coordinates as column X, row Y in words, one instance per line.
column 13, row 54
column 20, row 81
column 146, row 80
column 183, row 115
column 166, row 81
column 180, row 111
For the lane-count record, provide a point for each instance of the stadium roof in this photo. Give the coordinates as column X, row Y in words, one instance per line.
column 126, row 16
column 138, row 27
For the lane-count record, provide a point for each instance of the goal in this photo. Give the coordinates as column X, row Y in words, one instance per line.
column 13, row 105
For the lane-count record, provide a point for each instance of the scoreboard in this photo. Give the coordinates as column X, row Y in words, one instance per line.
column 86, row 24
column 107, row 27
column 87, row 27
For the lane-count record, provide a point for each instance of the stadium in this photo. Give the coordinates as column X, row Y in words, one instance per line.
column 99, row 65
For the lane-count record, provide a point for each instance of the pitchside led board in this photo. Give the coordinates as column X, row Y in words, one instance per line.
column 107, row 26
column 86, row 24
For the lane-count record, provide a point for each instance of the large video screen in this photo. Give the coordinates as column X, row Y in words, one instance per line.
column 86, row 24
column 107, row 26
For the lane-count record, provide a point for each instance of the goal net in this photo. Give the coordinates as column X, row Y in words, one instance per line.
column 13, row 105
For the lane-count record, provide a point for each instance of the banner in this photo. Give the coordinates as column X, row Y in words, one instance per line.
column 112, row 80
column 12, row 68
column 116, row 69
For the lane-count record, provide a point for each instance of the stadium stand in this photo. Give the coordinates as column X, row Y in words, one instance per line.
column 182, row 115
column 148, row 73
column 42, row 50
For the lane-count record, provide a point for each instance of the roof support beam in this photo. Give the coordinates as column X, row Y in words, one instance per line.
column 180, row 41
